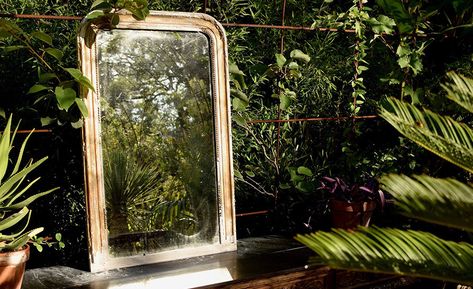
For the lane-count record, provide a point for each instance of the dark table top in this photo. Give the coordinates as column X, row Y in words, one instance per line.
column 255, row 257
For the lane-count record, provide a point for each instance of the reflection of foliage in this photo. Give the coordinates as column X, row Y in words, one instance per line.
column 127, row 185
column 157, row 107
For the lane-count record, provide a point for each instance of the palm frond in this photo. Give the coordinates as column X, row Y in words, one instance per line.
column 460, row 91
column 446, row 202
column 441, row 135
column 386, row 250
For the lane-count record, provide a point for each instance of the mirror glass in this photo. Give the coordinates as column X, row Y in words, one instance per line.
column 158, row 144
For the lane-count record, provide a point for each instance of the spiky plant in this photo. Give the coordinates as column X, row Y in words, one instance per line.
column 14, row 189
column 442, row 201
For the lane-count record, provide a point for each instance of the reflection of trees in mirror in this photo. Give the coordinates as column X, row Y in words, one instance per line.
column 157, row 134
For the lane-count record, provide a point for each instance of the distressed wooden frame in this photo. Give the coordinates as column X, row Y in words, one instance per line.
column 94, row 184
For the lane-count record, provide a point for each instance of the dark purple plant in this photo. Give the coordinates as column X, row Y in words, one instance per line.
column 339, row 190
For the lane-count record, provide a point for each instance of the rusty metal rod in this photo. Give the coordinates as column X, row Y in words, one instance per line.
column 36, row 16
column 31, row 130
column 313, row 119
column 249, row 25
column 252, row 213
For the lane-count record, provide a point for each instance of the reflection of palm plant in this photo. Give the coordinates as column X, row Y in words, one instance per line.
column 127, row 185
column 13, row 208
column 443, row 201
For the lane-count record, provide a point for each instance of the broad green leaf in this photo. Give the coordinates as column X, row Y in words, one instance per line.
column 240, row 94
column 280, row 60
column 43, row 37
column 65, row 97
column 47, row 121
column 82, row 107
column 395, row 8
column 233, row 69
column 238, row 104
column 304, row 171
column 100, row 4
column 284, row 102
column 94, row 14
column 299, row 55
column 80, row 78
column 54, row 52
column 37, row 88
column 58, row 237
column 238, row 119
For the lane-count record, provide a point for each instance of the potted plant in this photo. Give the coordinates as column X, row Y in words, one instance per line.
column 14, row 213
column 351, row 206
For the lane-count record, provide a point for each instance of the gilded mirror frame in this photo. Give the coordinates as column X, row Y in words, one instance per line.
column 99, row 256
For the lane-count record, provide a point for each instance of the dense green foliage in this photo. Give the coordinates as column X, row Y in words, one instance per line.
column 399, row 48
column 444, row 201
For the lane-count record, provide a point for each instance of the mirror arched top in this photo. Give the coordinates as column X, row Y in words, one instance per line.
column 157, row 143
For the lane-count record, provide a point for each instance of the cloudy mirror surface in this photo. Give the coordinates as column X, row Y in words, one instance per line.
column 157, row 140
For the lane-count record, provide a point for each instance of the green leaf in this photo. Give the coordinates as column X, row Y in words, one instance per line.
column 13, row 48
column 460, row 90
column 239, row 120
column 22, row 240
column 233, row 69
column 80, row 78
column 280, row 60
column 441, row 135
column 82, row 107
column 13, row 219
column 43, row 37
column 239, row 94
column 45, row 77
column 284, row 102
column 100, row 4
column 395, row 8
column 65, row 97
column 115, row 19
column 251, row 174
column 47, row 121
column 29, row 200
column 304, row 171
column 299, row 55
column 77, row 124
column 5, row 149
column 58, row 237
column 37, row 88
column 54, row 52
column 94, row 14
column 238, row 104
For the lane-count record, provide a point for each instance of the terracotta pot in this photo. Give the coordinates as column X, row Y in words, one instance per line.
column 12, row 268
column 350, row 215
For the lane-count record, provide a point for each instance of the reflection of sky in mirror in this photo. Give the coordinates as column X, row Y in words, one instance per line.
column 120, row 56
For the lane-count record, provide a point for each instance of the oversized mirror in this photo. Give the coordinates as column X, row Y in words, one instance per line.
column 157, row 141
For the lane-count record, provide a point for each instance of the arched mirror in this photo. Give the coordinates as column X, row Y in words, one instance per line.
column 157, row 141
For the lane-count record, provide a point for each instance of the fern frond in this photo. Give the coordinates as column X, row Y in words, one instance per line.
column 446, row 202
column 385, row 250
column 441, row 135
column 460, row 91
